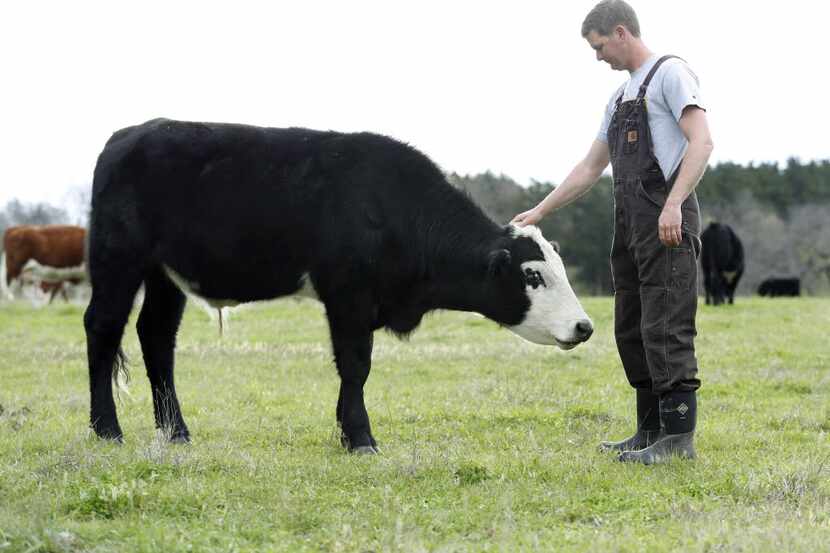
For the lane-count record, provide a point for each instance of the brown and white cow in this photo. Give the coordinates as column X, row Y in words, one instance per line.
column 47, row 253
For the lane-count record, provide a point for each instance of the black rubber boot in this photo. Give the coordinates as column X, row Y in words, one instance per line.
column 648, row 425
column 678, row 416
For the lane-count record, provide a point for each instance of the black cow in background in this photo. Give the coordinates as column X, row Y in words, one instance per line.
column 773, row 287
column 365, row 224
column 722, row 259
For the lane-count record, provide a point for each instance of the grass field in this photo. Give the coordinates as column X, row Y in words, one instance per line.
column 489, row 442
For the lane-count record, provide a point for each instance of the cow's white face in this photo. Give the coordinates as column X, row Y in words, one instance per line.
column 555, row 316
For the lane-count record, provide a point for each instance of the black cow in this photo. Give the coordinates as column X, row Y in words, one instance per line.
column 773, row 287
column 723, row 263
column 367, row 225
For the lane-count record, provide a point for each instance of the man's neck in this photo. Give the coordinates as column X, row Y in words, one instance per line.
column 639, row 55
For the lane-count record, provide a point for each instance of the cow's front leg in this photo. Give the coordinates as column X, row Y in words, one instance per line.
column 353, row 356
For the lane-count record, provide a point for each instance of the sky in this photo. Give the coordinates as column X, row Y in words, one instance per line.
column 509, row 87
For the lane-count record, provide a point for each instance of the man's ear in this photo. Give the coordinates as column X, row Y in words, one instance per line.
column 498, row 262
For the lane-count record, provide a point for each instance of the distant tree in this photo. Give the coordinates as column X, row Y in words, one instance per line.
column 810, row 234
column 773, row 187
column 808, row 183
column 77, row 202
column 18, row 213
column 499, row 196
column 4, row 224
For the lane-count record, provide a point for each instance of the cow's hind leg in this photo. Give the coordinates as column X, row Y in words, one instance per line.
column 104, row 321
column 351, row 338
column 733, row 284
column 157, row 325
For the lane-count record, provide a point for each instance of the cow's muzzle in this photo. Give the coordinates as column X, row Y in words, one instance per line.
column 582, row 330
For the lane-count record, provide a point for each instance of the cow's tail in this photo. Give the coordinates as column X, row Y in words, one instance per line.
column 120, row 373
column 4, row 286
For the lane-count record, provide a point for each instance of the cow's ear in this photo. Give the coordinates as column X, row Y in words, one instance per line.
column 498, row 262
column 555, row 245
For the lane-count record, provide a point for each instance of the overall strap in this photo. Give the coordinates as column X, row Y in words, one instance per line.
column 651, row 73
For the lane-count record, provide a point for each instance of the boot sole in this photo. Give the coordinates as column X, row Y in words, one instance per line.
column 662, row 451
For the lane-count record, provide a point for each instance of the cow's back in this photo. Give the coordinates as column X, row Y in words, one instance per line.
column 248, row 211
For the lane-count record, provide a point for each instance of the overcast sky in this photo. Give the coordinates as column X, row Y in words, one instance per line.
column 509, row 87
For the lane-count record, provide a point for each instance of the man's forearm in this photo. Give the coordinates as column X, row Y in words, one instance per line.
column 691, row 171
column 577, row 183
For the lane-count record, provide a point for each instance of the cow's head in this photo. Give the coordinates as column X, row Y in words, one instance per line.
column 533, row 297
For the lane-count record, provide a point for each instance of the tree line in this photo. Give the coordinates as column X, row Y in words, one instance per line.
column 19, row 213
column 781, row 214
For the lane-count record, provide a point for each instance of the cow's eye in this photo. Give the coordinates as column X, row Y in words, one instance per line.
column 534, row 279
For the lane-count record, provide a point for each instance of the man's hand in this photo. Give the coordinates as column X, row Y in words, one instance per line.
column 529, row 217
column 669, row 225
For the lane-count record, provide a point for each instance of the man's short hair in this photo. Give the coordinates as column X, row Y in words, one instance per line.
column 608, row 14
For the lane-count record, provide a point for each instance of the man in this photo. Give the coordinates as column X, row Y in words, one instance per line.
column 656, row 136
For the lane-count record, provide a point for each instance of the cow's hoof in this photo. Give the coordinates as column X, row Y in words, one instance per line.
column 180, row 439
column 365, row 439
column 109, row 434
column 365, row 450
column 119, row 439
column 174, row 434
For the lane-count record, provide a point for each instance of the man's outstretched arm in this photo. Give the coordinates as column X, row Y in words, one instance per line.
column 578, row 182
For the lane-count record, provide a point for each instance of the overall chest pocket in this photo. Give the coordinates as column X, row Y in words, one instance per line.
column 631, row 136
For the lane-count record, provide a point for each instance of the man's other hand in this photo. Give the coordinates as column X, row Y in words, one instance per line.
column 669, row 225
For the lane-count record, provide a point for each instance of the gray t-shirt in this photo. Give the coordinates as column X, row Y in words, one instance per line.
column 673, row 87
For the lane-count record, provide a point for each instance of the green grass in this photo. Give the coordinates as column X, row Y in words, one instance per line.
column 489, row 443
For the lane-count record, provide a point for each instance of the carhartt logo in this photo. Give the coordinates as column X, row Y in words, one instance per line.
column 632, row 136
column 682, row 408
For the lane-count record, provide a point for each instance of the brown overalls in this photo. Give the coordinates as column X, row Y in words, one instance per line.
column 655, row 285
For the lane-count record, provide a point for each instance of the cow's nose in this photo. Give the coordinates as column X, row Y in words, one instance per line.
column 584, row 329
